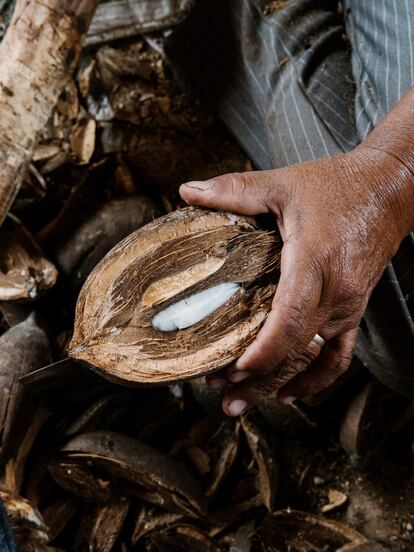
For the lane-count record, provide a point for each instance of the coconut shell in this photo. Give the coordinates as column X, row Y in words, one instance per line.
column 127, row 466
column 168, row 260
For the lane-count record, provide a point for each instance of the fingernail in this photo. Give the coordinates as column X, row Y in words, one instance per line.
column 287, row 400
column 239, row 364
column 216, row 383
column 237, row 376
column 201, row 185
column 237, row 407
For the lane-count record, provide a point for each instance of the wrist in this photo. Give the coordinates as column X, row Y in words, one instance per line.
column 391, row 185
column 394, row 139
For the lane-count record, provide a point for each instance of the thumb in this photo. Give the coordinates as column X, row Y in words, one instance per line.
column 243, row 193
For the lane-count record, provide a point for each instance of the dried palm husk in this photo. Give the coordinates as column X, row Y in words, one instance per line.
column 181, row 538
column 25, row 272
column 29, row 528
column 211, row 446
column 101, row 525
column 228, row 517
column 264, row 455
column 167, row 261
column 368, row 421
column 102, row 464
column 101, row 414
column 23, row 348
column 150, row 519
column 58, row 514
column 296, row 531
column 225, row 456
column 364, row 547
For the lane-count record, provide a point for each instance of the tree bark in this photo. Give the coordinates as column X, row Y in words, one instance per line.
column 38, row 53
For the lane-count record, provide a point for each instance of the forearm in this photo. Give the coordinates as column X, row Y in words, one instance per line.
column 394, row 136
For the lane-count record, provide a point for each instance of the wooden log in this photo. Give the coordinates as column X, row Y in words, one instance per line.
column 38, row 53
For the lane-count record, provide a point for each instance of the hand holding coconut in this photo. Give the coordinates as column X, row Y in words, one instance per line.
column 341, row 220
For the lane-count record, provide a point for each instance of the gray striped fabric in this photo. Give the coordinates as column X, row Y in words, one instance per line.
column 303, row 81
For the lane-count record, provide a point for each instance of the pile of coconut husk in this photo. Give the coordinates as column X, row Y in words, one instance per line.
column 90, row 462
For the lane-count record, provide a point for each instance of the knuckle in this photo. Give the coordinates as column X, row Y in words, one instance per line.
column 274, row 381
column 350, row 323
column 342, row 361
column 350, row 291
column 286, row 371
column 345, row 322
column 238, row 183
column 262, row 389
column 297, row 362
column 294, row 325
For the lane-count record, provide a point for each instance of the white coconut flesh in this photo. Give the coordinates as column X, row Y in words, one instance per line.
column 194, row 309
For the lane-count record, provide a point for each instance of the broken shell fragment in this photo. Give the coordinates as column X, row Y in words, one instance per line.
column 25, row 272
column 181, row 297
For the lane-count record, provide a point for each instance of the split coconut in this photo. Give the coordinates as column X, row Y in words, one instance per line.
column 179, row 298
